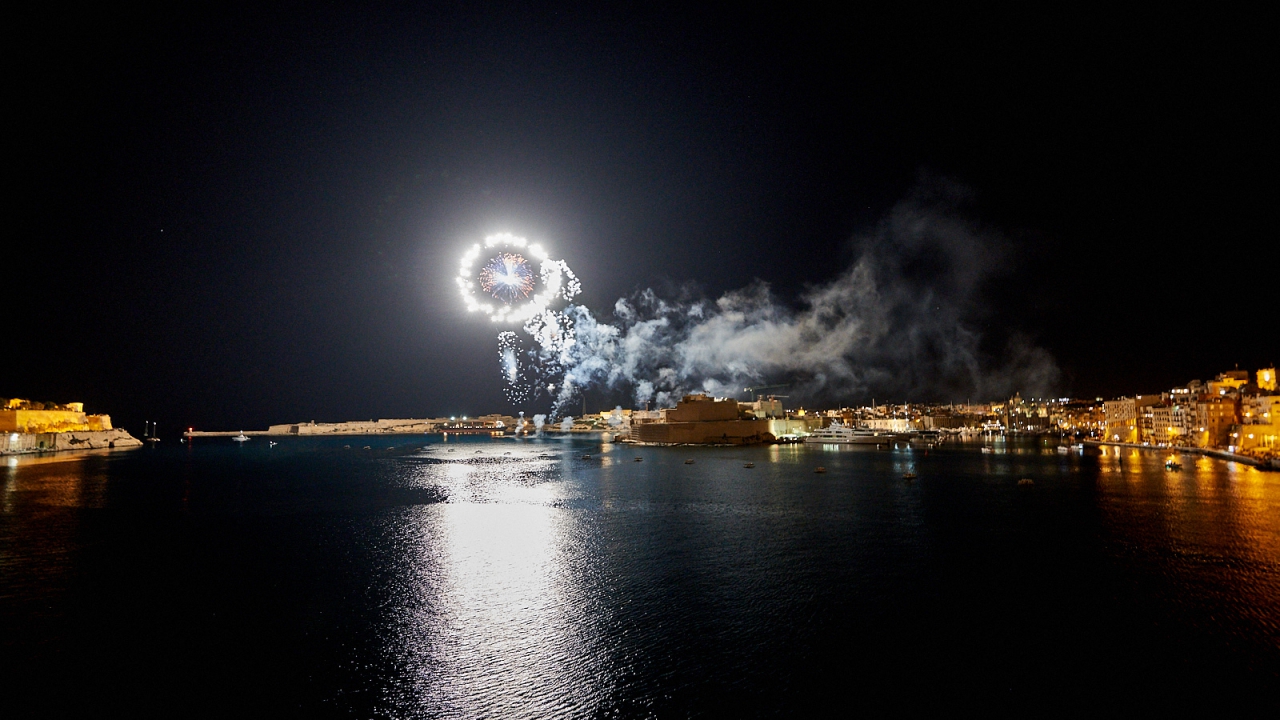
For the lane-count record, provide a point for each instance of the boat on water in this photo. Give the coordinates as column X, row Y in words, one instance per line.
column 689, row 461
column 845, row 435
column 1172, row 464
column 241, row 437
column 987, row 450
column 748, row 465
column 909, row 475
column 819, row 469
column 1063, row 450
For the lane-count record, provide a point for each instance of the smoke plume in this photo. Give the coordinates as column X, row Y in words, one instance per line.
column 900, row 322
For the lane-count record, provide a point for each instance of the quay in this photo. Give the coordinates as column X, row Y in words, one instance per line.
column 1208, row 452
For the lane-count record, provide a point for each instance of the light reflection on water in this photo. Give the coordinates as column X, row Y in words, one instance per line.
column 492, row 617
column 527, row 581
column 1211, row 530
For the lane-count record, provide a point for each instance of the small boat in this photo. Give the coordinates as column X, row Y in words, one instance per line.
column 272, row 443
column 586, row 457
column 1063, row 450
column 639, row 459
column 1172, row 464
column 908, row 475
column 689, row 461
column 1026, row 481
column 987, row 451
column 748, row 465
column 241, row 437
column 819, row 469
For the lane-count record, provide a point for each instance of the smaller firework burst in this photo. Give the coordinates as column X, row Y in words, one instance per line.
column 507, row 277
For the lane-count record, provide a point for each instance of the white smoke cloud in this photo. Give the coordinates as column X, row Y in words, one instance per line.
column 899, row 322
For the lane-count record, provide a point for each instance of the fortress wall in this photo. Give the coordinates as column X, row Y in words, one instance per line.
column 51, row 421
column 704, row 433
column 703, row 411
column 358, row 427
column 13, row 442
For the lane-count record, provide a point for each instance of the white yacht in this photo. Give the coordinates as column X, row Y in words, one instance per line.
column 844, row 435
column 241, row 437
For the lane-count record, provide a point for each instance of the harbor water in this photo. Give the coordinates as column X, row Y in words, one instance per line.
column 408, row 577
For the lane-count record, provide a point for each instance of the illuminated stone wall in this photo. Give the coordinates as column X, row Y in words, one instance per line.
column 701, row 408
column 51, row 421
column 705, row 433
column 1263, row 440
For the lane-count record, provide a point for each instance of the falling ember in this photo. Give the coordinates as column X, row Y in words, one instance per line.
column 507, row 277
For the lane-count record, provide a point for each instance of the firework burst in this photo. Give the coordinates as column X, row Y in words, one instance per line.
column 507, row 277
column 521, row 284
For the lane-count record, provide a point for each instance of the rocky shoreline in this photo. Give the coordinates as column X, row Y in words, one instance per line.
column 25, row 443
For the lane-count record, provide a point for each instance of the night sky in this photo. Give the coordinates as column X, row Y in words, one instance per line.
column 231, row 217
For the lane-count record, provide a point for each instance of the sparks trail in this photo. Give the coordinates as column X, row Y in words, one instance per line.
column 526, row 297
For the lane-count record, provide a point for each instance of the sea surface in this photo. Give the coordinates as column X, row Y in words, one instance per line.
column 408, row 577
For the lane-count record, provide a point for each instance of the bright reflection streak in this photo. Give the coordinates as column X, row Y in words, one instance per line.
column 497, row 621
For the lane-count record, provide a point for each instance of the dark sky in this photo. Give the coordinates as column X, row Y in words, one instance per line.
column 236, row 216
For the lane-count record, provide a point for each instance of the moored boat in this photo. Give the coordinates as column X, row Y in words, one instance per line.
column 845, row 435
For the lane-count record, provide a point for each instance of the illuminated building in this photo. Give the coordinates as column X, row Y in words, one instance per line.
column 1173, row 424
column 1228, row 382
column 24, row 416
column 1217, row 416
column 700, row 419
column 1267, row 379
column 1120, row 420
column 764, row 407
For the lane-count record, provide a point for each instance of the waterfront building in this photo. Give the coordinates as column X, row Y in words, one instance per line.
column 888, row 424
column 1120, row 420
column 1217, row 416
column 1145, row 416
column 1172, row 424
column 701, row 419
